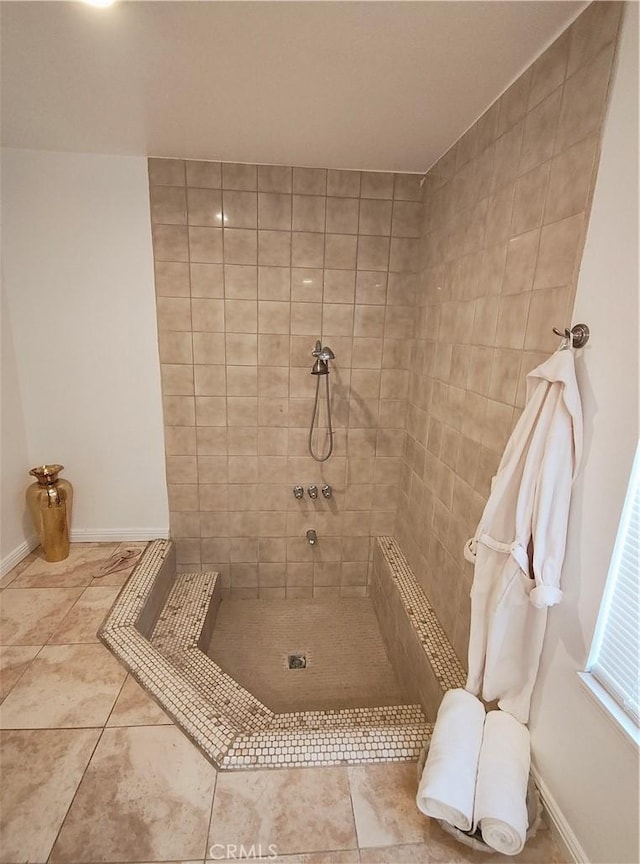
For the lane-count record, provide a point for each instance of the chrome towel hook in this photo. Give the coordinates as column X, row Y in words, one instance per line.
column 577, row 337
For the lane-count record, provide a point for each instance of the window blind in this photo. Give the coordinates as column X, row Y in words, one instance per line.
column 615, row 654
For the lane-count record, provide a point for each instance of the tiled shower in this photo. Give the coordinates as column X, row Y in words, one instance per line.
column 253, row 264
column 437, row 298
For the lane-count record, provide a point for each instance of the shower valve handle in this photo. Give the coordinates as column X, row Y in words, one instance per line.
column 327, row 491
column 313, row 491
column 298, row 491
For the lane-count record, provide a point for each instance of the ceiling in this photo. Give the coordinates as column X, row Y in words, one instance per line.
column 370, row 85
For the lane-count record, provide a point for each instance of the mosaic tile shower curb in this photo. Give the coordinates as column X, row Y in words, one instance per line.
column 160, row 620
column 419, row 649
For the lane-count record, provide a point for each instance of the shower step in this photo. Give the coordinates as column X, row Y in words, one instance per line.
column 183, row 629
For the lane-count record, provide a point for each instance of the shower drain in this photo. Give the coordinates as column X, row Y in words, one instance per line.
column 297, row 661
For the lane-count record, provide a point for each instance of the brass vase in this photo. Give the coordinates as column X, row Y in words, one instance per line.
column 50, row 501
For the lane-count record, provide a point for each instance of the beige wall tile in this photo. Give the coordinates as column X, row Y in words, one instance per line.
column 172, row 279
column 205, row 245
column 373, row 253
column 166, row 172
column 596, row 27
column 238, row 176
column 548, row 71
column 570, row 180
column 240, row 246
column 583, row 100
column 529, row 199
column 205, row 207
column 210, row 411
column 174, row 313
column 310, row 181
column 274, row 248
column 307, row 249
column 343, row 183
column 168, row 205
column 560, row 243
column 177, row 379
column 274, row 283
column 342, row 215
column 208, row 348
column 207, row 280
column 308, row 213
column 340, row 251
column 375, row 217
column 179, row 410
column 274, row 178
column 539, row 131
column 376, row 185
column 207, row 175
column 170, row 243
column 520, row 265
column 274, row 211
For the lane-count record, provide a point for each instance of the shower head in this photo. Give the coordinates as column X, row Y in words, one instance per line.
column 320, row 367
column 322, row 355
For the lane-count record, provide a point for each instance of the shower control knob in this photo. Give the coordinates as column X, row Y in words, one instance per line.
column 313, row 491
column 327, row 491
column 298, row 491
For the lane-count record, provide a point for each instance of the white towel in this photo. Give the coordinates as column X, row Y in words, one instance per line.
column 447, row 786
column 501, row 790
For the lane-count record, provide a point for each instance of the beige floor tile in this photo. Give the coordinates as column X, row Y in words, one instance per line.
column 134, row 707
column 65, row 686
column 29, row 617
column 346, row 856
column 146, row 796
column 384, row 804
column 84, row 562
column 9, row 577
column 117, row 569
column 296, row 810
column 442, row 848
column 82, row 621
column 14, row 659
column 40, row 773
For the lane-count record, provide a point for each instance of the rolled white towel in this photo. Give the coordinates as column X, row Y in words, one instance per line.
column 447, row 786
column 501, row 790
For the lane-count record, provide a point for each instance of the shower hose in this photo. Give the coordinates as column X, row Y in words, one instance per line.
column 314, row 419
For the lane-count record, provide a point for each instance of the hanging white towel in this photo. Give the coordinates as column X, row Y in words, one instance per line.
column 447, row 786
column 501, row 790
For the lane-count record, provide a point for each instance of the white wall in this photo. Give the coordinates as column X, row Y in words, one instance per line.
column 589, row 768
column 78, row 274
column 15, row 528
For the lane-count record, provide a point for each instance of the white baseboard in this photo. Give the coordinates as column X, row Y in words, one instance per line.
column 562, row 831
column 15, row 557
column 117, row 535
column 81, row 535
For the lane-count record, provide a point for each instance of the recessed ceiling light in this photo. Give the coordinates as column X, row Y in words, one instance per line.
column 100, row 3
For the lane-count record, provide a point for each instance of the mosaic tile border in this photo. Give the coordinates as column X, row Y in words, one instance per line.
column 442, row 658
column 161, row 620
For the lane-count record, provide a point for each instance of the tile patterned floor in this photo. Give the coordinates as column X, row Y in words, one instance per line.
column 96, row 772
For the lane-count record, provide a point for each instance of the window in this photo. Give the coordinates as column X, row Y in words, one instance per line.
column 614, row 658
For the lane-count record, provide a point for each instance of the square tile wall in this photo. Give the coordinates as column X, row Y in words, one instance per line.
column 253, row 263
column 505, row 217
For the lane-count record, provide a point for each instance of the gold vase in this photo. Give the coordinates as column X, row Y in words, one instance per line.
column 50, row 501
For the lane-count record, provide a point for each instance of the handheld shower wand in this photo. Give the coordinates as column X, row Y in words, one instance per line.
column 321, row 367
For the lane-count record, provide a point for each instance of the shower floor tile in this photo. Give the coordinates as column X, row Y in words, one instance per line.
column 347, row 664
